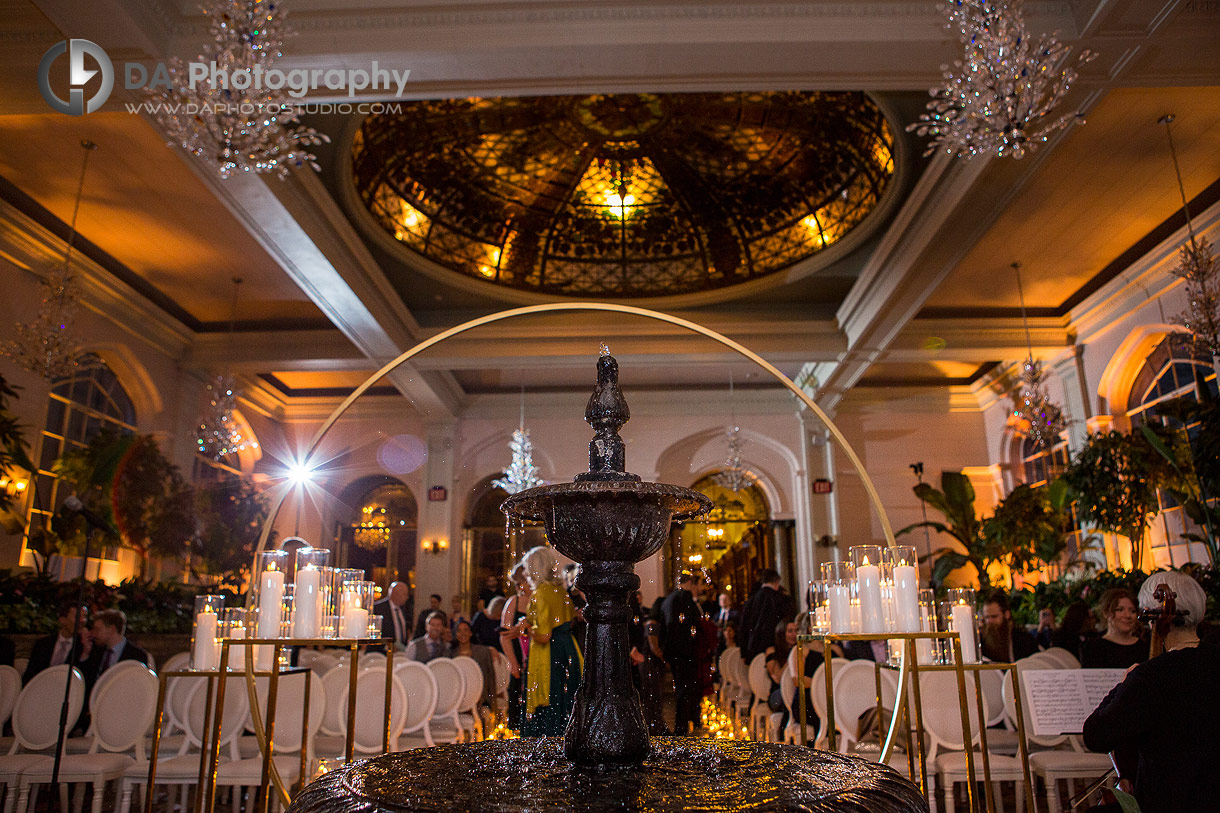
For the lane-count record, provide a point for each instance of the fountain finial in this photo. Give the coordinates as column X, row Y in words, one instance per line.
column 606, row 412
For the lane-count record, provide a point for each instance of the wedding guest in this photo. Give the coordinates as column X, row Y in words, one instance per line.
column 432, row 643
column 554, row 661
column 59, row 647
column 491, row 589
column 679, row 641
column 1121, row 645
column 651, row 670
column 514, row 642
column 395, row 610
column 724, row 612
column 457, row 606
column 1002, row 640
column 1046, row 628
column 486, row 623
column 8, row 650
column 110, row 645
column 1075, row 629
column 768, row 606
column 1167, row 710
column 570, row 574
column 434, row 606
column 465, row 645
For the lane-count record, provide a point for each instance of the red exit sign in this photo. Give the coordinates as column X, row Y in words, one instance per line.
column 822, row 486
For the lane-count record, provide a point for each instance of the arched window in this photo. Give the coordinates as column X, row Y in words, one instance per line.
column 1173, row 370
column 486, row 549
column 380, row 539
column 79, row 407
column 731, row 544
column 1043, row 463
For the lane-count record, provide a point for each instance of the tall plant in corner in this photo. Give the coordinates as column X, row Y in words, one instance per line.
column 1114, row 478
column 13, row 456
column 955, row 501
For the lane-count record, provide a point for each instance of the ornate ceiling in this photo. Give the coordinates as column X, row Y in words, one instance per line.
column 624, row 195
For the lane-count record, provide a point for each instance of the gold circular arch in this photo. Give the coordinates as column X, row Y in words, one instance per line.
column 694, row 327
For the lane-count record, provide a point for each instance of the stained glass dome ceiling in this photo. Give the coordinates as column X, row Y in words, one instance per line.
column 630, row 195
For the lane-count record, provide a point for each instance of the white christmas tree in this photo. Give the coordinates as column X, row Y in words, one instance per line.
column 521, row 472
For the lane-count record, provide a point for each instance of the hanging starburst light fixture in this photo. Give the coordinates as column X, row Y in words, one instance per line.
column 1197, row 268
column 521, row 472
column 218, row 434
column 46, row 346
column 733, row 476
column 1036, row 414
column 248, row 129
column 999, row 98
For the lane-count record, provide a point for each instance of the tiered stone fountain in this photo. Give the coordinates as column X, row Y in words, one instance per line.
column 608, row 520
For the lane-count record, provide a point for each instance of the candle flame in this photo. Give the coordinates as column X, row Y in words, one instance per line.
column 865, row 562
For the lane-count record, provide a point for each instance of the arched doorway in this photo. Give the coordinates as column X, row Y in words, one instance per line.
column 487, row 551
column 731, row 545
column 380, row 536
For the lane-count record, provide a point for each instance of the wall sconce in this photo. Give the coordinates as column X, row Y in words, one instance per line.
column 436, row 546
column 13, row 486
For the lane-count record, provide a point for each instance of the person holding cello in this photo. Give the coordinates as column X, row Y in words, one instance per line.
column 1164, row 717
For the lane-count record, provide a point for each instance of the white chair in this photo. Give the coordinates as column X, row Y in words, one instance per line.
column 943, row 724
column 122, row 706
column 370, row 710
column 177, row 663
column 503, row 672
column 371, row 659
column 334, row 687
column 743, row 699
column 21, row 664
column 10, row 688
column 182, row 769
column 35, row 721
column 728, row 683
column 420, row 685
column 760, row 686
column 445, row 725
column 1065, row 659
column 320, row 663
column 289, row 716
column 469, row 716
column 855, row 692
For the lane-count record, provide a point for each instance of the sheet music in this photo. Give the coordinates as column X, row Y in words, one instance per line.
column 1058, row 701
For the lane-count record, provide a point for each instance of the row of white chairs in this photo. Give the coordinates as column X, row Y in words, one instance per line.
column 437, row 702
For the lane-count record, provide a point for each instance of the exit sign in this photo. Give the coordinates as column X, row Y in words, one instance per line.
column 438, row 494
column 822, row 486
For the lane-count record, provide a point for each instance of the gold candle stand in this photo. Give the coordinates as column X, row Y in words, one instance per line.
column 909, row 665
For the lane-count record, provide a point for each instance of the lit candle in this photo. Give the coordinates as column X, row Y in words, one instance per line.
column 872, row 613
column 308, row 598
column 856, row 623
column 821, row 619
column 963, row 625
column 923, row 646
column 205, row 641
column 237, row 654
column 356, row 623
column 839, row 596
column 270, row 601
column 906, row 597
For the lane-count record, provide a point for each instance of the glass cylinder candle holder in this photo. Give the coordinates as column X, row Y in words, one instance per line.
column 356, row 604
column 839, row 577
column 270, row 583
column 309, row 597
column 235, row 628
column 962, row 621
column 902, row 574
column 819, row 604
column 867, row 562
column 925, row 651
column 375, row 622
column 287, row 611
column 209, row 610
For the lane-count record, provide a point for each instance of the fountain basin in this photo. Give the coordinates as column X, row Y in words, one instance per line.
column 682, row 773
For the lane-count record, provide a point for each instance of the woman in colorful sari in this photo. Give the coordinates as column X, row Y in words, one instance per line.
column 554, row 659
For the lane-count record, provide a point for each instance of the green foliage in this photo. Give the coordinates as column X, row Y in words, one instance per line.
column 1064, row 591
column 1115, row 478
column 29, row 603
column 1195, row 461
column 127, row 480
column 231, row 516
column 12, row 442
column 955, row 500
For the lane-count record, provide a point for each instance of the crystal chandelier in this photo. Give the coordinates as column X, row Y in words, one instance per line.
column 46, row 346
column 998, row 99
column 521, row 472
column 733, row 476
column 218, row 434
column 1197, row 268
column 1036, row 414
column 254, row 129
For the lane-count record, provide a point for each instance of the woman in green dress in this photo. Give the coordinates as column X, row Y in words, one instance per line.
column 554, row 658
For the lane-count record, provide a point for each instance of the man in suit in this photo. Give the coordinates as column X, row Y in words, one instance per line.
column 680, row 617
column 395, row 611
column 58, row 648
column 766, row 608
column 432, row 644
column 725, row 613
column 110, row 645
column 434, row 606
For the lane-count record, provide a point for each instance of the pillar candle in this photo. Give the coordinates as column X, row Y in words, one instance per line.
column 856, row 623
column 963, row 625
column 923, row 646
column 237, row 654
column 906, row 598
column 839, row 596
column 307, row 595
column 270, row 599
column 872, row 613
column 204, row 655
column 356, row 623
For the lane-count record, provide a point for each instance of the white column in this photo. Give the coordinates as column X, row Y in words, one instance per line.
column 438, row 572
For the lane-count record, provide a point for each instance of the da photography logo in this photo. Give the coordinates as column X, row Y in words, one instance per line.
column 79, row 75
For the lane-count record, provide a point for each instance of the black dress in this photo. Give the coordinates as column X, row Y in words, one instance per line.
column 1168, row 711
column 1098, row 653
